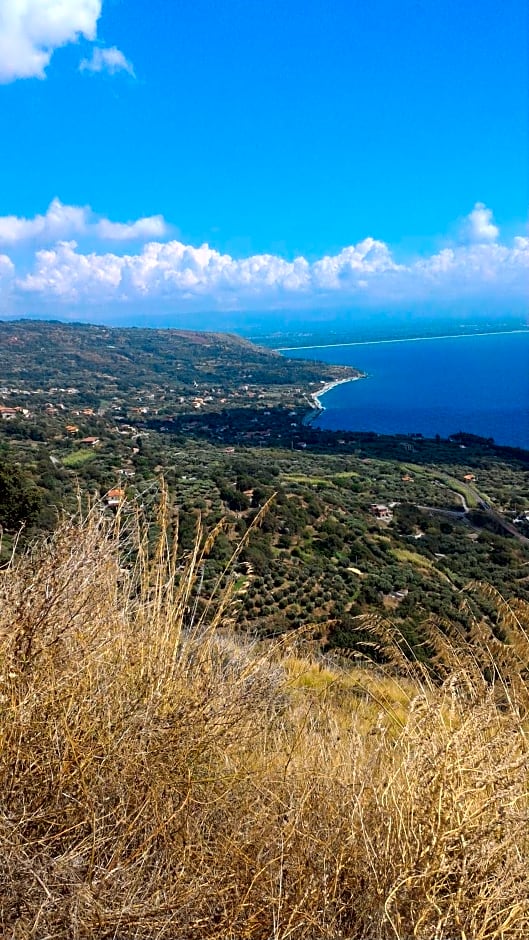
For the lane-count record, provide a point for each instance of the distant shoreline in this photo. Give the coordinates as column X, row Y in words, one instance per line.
column 409, row 339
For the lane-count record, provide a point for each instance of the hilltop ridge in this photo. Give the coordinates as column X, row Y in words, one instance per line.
column 104, row 364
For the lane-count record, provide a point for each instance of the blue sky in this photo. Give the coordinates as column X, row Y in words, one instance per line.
column 262, row 154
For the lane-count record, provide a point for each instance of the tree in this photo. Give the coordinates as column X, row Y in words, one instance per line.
column 19, row 500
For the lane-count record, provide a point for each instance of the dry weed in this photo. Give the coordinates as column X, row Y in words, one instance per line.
column 162, row 778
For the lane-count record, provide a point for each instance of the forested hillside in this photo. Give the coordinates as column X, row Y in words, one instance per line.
column 105, row 366
column 357, row 524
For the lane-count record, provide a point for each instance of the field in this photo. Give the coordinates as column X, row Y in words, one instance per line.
column 78, row 458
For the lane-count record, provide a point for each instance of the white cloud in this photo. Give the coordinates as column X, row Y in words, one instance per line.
column 62, row 272
column 31, row 30
column 7, row 268
column 204, row 278
column 7, row 275
column 161, row 270
column 58, row 221
column 479, row 226
column 109, row 60
column 61, row 221
column 476, row 269
column 152, row 226
column 352, row 263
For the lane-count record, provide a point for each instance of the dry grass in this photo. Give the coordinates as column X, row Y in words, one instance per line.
column 161, row 778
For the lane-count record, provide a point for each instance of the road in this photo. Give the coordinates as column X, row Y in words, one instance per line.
column 485, row 506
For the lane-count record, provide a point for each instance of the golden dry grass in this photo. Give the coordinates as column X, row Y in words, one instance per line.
column 162, row 778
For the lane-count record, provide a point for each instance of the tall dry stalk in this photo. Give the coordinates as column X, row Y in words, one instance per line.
column 162, row 778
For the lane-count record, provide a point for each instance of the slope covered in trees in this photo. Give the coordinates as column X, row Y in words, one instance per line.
column 325, row 554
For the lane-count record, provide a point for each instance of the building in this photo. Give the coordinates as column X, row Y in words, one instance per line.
column 382, row 512
column 115, row 496
column 7, row 413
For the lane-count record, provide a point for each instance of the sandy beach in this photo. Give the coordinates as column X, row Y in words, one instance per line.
column 315, row 396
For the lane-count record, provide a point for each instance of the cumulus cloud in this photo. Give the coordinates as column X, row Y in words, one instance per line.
column 206, row 278
column 61, row 221
column 57, row 221
column 480, row 270
column 161, row 271
column 31, row 30
column 7, row 277
column 62, row 272
column 479, row 226
column 7, row 268
column 109, row 60
column 203, row 278
column 152, row 226
column 351, row 265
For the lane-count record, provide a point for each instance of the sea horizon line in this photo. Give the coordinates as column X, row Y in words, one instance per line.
column 408, row 339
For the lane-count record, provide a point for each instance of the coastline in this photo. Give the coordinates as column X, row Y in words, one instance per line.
column 408, row 339
column 315, row 396
column 418, row 388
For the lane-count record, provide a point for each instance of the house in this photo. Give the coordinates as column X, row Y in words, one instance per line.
column 407, row 478
column 7, row 413
column 91, row 441
column 469, row 477
column 115, row 496
column 71, row 429
column 379, row 511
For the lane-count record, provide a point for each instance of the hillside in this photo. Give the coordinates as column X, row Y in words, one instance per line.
column 358, row 524
column 163, row 778
column 114, row 368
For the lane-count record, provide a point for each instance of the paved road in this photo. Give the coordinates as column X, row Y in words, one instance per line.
column 486, row 507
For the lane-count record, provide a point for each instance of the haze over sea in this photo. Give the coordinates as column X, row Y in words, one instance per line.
column 473, row 383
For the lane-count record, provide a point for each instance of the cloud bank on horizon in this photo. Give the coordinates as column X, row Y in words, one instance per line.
column 71, row 258
column 31, row 31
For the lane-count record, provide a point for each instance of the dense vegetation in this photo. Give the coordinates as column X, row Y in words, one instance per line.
column 321, row 557
column 103, row 367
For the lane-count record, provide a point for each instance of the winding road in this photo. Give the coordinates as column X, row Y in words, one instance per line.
column 485, row 506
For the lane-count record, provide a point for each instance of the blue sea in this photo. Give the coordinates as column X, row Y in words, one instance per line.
column 474, row 383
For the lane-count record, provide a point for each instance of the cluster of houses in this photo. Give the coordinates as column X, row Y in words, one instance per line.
column 8, row 412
